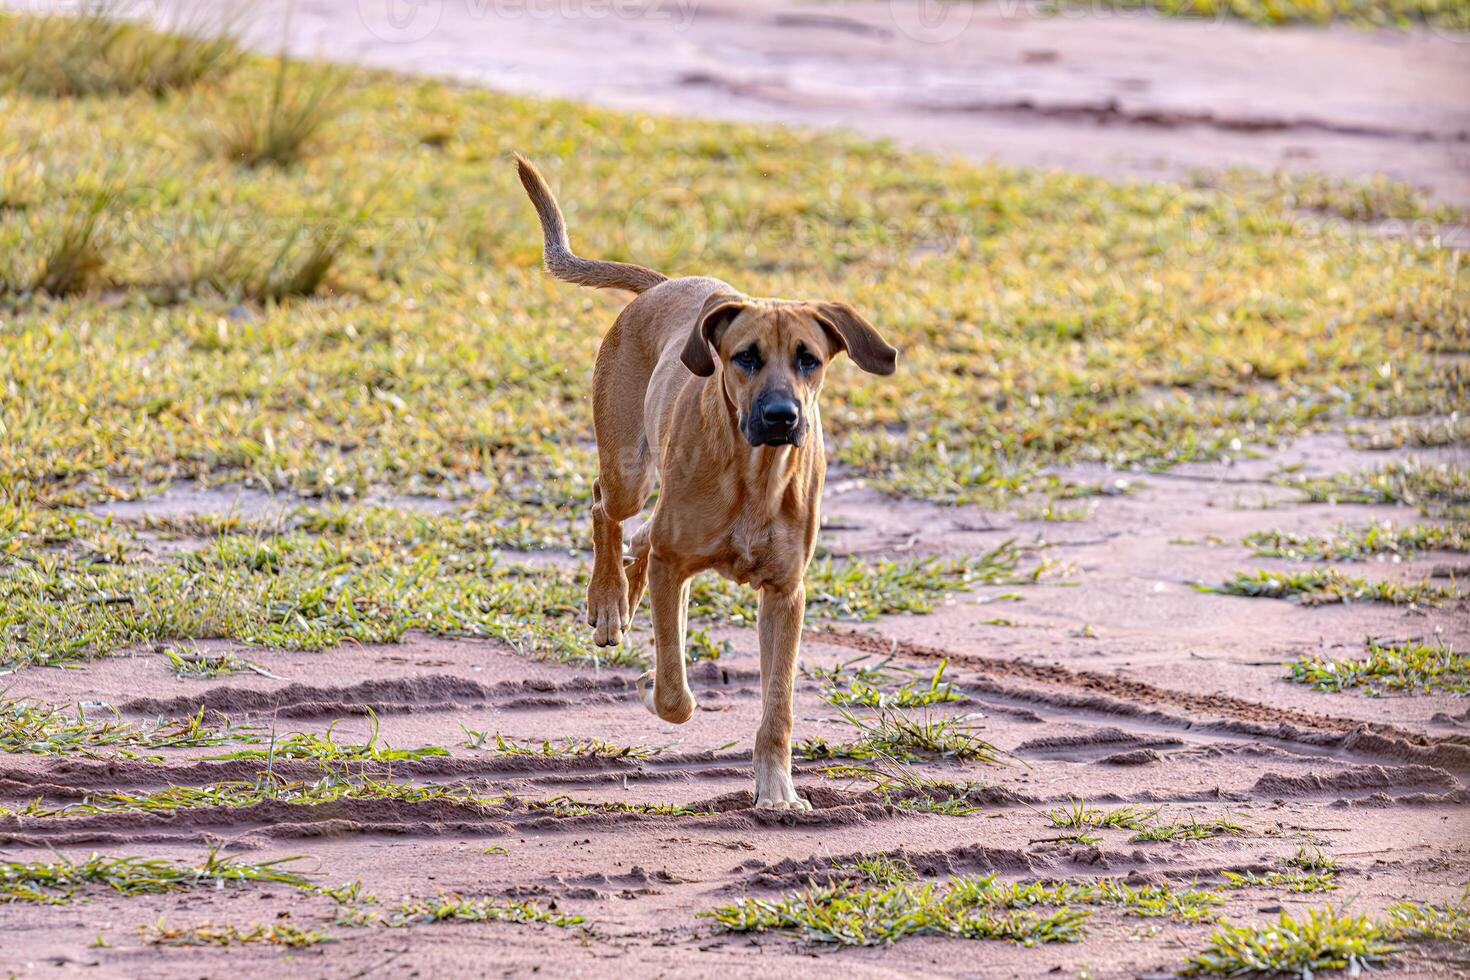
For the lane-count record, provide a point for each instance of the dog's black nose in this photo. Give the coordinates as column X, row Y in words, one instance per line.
column 780, row 413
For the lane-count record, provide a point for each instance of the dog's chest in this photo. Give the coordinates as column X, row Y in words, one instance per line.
column 761, row 552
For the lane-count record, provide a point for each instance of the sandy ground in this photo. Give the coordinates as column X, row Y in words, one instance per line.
column 1113, row 679
column 1112, row 658
column 1092, row 90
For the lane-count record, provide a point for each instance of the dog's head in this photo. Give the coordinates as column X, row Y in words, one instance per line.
column 771, row 355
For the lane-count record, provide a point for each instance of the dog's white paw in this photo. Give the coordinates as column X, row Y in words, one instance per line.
column 774, row 789
column 644, row 684
column 678, row 713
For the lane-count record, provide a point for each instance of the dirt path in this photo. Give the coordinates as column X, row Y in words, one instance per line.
column 1097, row 91
column 1111, row 678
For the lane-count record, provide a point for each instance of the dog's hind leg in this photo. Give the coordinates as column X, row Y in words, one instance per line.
column 636, row 567
column 625, row 477
column 609, row 599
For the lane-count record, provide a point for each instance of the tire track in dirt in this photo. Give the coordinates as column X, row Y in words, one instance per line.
column 1109, row 694
column 80, row 774
column 435, row 692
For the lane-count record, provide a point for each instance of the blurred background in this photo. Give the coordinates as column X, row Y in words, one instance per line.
column 1113, row 87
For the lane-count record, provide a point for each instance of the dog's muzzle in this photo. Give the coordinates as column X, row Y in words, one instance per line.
column 775, row 420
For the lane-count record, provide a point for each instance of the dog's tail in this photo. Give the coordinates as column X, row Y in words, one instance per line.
column 560, row 261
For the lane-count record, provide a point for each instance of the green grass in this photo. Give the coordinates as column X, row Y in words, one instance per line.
column 1192, row 829
column 1053, row 511
column 275, row 125
column 1045, row 319
column 1328, row 586
column 864, row 590
column 905, row 735
column 1292, row 881
column 64, row 880
column 1447, row 921
column 699, row 645
column 1320, row 940
column 879, row 869
column 875, row 693
column 1075, row 356
column 204, row 666
column 1407, row 667
column 69, row 256
column 99, row 54
column 593, row 748
column 565, row 806
column 1416, row 433
column 1309, row 858
column 1359, row 543
column 901, row 784
column 283, row 934
column 1079, row 816
column 1436, row 489
column 332, row 787
column 41, row 729
column 371, row 576
column 453, row 908
column 1452, row 15
column 326, row 749
column 965, row 907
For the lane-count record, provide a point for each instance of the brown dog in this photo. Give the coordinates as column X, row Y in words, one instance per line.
column 717, row 393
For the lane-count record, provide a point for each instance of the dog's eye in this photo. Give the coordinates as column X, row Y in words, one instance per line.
column 806, row 361
column 747, row 358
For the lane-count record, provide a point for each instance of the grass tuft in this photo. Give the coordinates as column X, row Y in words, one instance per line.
column 332, row 787
column 274, row 127
column 864, row 691
column 1192, row 829
column 879, row 869
column 70, row 251
column 1292, row 881
column 1310, row 858
column 41, row 729
column 1328, row 586
column 1448, row 921
column 453, row 908
column 1079, row 816
column 593, row 748
column 1405, row 667
column 1356, row 544
column 904, row 735
column 207, row 934
column 324, row 748
column 59, row 882
column 1435, row 488
column 98, row 54
column 965, row 907
column 904, row 787
column 1453, row 15
column 1324, row 939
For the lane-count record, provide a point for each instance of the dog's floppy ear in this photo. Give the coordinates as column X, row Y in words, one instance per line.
column 714, row 317
column 857, row 336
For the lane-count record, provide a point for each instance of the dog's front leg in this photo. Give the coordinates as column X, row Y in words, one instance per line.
column 668, row 594
column 779, row 620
